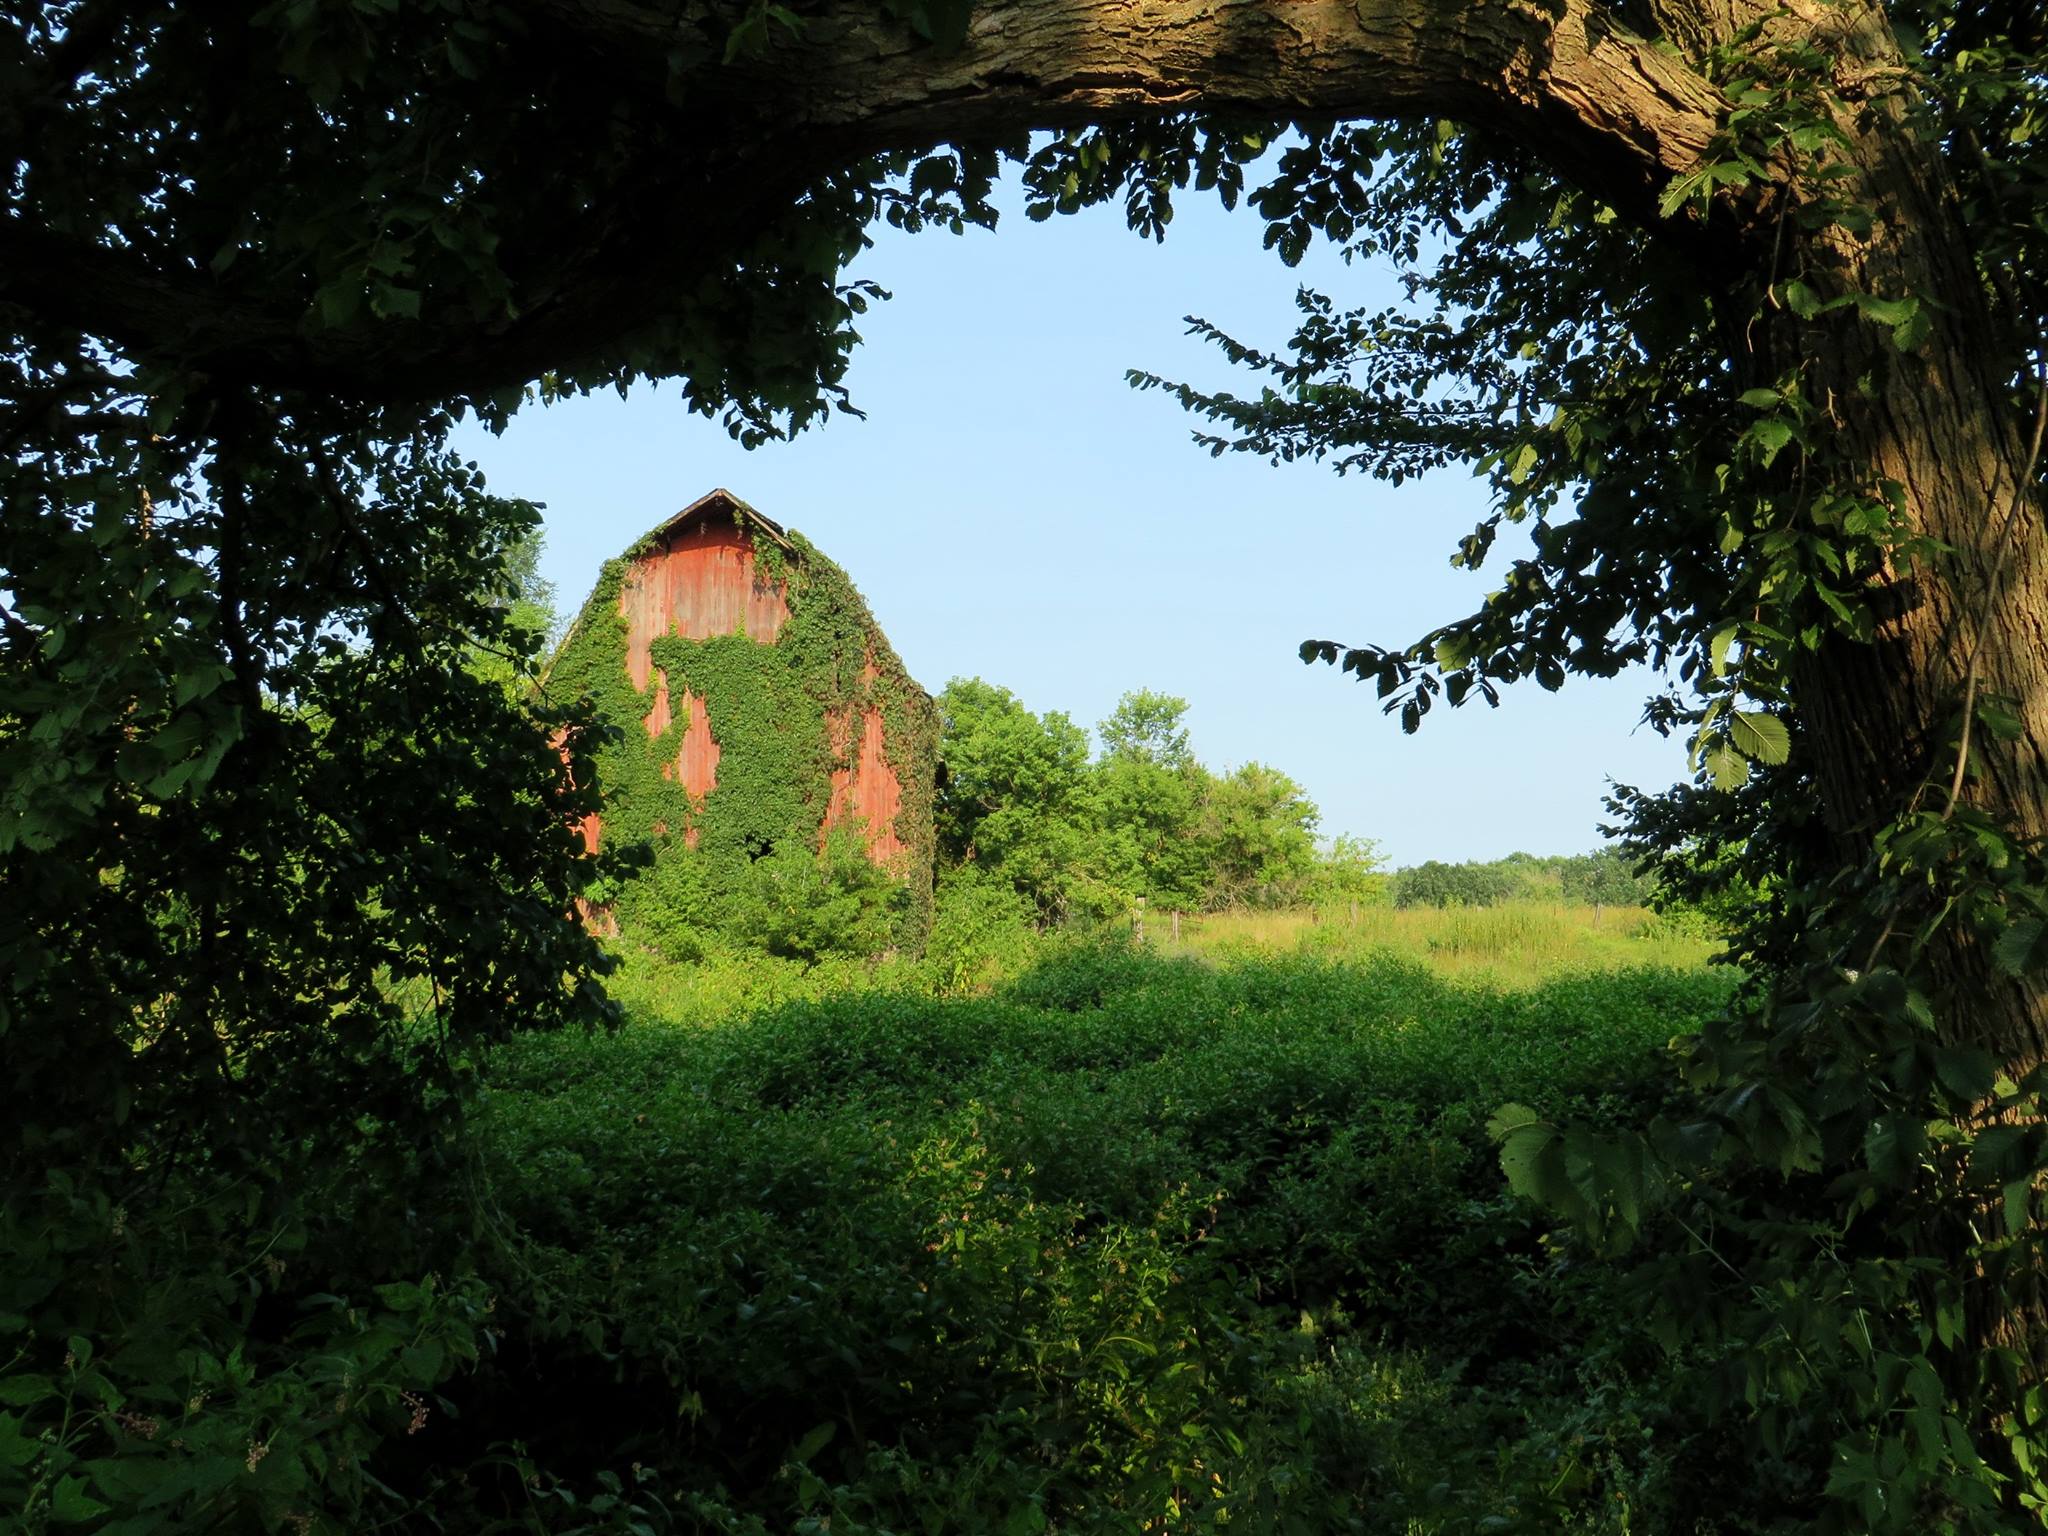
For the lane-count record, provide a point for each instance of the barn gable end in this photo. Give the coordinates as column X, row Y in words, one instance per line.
column 758, row 704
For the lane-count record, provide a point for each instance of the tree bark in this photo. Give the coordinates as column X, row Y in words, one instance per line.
column 1937, row 423
column 1617, row 112
column 1587, row 91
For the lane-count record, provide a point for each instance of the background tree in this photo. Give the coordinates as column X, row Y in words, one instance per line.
column 1257, row 836
column 1148, row 791
column 1147, row 727
column 1015, row 797
column 1434, row 883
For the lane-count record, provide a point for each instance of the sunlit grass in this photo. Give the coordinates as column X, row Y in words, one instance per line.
column 1513, row 942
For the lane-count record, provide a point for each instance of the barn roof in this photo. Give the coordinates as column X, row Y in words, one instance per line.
column 713, row 503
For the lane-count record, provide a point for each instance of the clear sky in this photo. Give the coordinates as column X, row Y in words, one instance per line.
column 1013, row 510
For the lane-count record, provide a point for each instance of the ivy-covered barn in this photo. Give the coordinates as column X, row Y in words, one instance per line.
column 767, row 728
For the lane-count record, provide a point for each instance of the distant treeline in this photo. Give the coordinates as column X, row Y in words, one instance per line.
column 1604, row 878
column 1025, row 810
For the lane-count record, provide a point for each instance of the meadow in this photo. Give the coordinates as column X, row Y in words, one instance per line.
column 1512, row 943
column 1079, row 1235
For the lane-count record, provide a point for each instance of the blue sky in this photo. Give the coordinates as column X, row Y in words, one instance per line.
column 1012, row 509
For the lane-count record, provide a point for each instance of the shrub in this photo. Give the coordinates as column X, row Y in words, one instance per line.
column 981, row 930
column 1126, row 1236
column 808, row 904
column 1436, row 884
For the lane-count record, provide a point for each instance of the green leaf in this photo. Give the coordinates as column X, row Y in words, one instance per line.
column 1911, row 334
column 20, row 1391
column 1760, row 736
column 1893, row 1146
column 1800, row 299
column 2019, row 947
column 1719, row 645
column 395, row 303
column 16, row 1449
column 2018, row 1204
column 1892, row 312
column 401, row 1296
column 70, row 1504
column 1532, row 1157
column 1729, row 768
column 814, row 1441
column 1967, row 1071
column 1771, row 434
column 1510, row 1118
column 1997, row 1154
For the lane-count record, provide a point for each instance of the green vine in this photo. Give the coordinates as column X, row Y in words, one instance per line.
column 771, row 709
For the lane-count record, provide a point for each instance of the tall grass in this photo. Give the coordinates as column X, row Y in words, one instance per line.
column 1513, row 945
column 1507, row 944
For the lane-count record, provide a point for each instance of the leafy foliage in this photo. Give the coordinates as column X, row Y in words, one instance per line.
column 1126, row 1241
column 281, row 861
column 1682, row 500
column 1144, row 823
column 268, row 809
column 1591, row 879
column 785, row 716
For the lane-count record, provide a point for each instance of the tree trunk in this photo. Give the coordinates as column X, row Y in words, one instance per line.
column 1616, row 111
column 1937, row 423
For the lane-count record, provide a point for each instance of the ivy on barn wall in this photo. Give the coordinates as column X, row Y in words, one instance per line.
column 771, row 709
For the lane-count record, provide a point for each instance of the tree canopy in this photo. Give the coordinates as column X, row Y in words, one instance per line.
column 1741, row 314
column 1145, row 822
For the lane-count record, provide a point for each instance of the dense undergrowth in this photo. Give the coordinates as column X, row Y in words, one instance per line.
column 1130, row 1243
column 1028, row 1234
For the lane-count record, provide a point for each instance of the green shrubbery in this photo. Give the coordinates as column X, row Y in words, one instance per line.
column 1087, row 841
column 1129, row 1243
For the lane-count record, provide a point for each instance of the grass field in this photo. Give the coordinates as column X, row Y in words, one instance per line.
column 1126, row 1240
column 1513, row 943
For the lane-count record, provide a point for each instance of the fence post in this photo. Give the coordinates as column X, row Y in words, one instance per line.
column 1176, row 926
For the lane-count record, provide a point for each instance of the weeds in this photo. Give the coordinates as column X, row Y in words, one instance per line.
column 1128, row 1241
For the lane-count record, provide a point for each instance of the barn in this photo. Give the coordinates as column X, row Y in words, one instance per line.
column 760, row 709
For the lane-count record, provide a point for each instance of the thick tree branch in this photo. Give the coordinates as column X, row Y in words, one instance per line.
column 1591, row 94
column 1608, row 108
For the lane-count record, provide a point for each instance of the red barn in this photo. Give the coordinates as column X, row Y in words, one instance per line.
column 758, row 698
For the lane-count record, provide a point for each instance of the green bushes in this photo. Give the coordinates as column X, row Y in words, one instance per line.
column 1122, row 1242
column 1131, row 1243
column 1085, row 842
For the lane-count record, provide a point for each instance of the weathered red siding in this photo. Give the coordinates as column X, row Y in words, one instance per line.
column 697, row 758
column 868, row 789
column 696, row 764
column 697, row 582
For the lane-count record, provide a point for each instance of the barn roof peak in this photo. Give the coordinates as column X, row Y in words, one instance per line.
column 716, row 502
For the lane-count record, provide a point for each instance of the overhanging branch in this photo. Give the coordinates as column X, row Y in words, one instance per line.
column 1606, row 107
